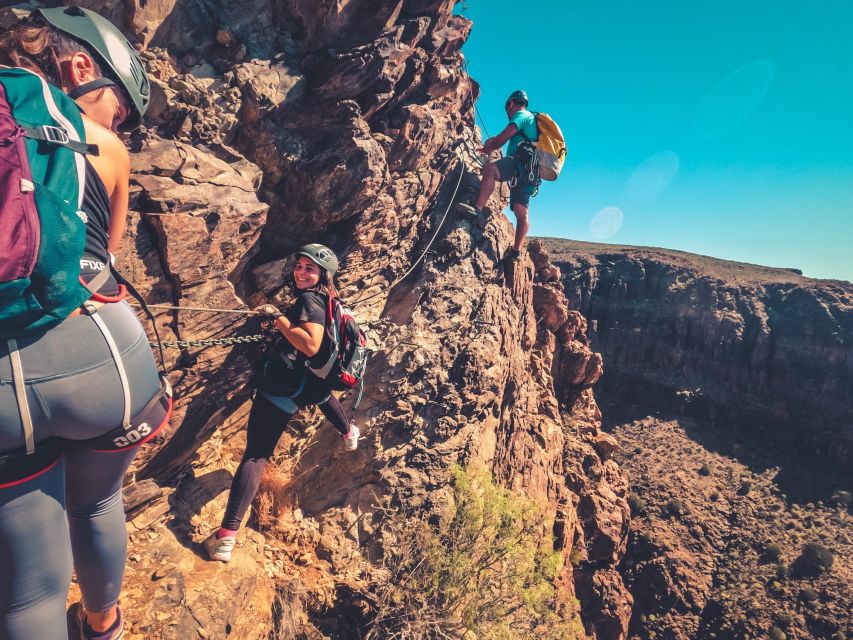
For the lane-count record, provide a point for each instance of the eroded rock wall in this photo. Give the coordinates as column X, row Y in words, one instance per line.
column 283, row 121
column 765, row 351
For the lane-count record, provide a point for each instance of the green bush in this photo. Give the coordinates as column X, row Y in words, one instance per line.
column 772, row 552
column 487, row 567
column 674, row 507
column 815, row 559
column 715, row 495
column 781, row 571
column 784, row 619
column 577, row 556
column 745, row 487
column 704, row 470
column 777, row 634
column 637, row 504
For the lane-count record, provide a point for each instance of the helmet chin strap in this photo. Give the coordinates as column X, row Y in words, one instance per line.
column 94, row 85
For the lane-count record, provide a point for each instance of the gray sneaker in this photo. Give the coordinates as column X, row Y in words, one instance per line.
column 220, row 548
column 351, row 438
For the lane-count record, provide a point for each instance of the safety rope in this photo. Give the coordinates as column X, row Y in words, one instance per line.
column 251, row 312
column 182, row 344
column 479, row 116
column 473, row 102
column 429, row 244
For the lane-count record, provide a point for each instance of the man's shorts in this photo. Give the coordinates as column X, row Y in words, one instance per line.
column 520, row 195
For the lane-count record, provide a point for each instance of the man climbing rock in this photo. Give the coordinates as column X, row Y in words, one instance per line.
column 512, row 168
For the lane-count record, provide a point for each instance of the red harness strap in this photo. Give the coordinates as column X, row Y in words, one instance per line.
column 122, row 294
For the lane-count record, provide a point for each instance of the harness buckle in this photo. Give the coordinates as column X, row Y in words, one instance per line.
column 56, row 135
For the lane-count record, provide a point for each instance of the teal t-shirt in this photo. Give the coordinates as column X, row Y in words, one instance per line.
column 526, row 122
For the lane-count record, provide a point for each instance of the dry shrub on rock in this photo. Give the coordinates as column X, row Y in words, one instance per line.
column 485, row 570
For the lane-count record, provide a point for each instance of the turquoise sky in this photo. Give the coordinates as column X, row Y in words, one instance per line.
column 721, row 128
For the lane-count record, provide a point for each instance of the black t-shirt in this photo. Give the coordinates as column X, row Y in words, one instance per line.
column 289, row 366
column 96, row 204
column 311, row 306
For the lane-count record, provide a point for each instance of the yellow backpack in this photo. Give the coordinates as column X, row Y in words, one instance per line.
column 551, row 147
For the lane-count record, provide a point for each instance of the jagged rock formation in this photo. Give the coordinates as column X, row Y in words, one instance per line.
column 765, row 351
column 353, row 121
column 728, row 389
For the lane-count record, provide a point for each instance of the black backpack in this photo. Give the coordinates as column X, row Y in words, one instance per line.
column 346, row 365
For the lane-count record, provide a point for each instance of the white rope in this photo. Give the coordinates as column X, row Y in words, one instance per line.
column 249, row 312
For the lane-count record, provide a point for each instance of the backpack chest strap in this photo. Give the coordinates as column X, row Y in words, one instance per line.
column 58, row 136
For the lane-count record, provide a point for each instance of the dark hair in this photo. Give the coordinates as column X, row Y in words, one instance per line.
column 326, row 282
column 35, row 45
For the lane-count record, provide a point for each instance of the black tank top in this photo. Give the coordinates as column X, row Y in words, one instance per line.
column 96, row 205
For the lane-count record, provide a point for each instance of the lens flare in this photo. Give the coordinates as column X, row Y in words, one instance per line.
column 606, row 223
column 733, row 99
column 653, row 175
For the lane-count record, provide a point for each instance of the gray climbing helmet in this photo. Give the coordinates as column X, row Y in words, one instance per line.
column 122, row 61
column 320, row 255
column 518, row 96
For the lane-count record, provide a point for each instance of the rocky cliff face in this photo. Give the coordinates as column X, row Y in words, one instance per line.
column 350, row 123
column 728, row 388
column 764, row 351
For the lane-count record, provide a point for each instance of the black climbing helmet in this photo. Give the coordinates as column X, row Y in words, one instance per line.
column 320, row 255
column 518, row 95
column 121, row 59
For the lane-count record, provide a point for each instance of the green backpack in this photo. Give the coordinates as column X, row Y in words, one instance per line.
column 42, row 230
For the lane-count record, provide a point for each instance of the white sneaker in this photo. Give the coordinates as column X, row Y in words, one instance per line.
column 351, row 438
column 220, row 548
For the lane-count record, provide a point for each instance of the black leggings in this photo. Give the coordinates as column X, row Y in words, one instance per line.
column 266, row 424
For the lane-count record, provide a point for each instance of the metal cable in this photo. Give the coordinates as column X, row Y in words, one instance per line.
column 429, row 244
column 211, row 342
column 178, row 344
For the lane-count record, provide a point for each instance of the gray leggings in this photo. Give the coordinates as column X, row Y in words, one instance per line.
column 74, row 511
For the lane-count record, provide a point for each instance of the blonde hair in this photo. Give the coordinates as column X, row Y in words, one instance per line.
column 34, row 45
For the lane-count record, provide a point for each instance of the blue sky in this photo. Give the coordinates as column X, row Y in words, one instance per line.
column 724, row 128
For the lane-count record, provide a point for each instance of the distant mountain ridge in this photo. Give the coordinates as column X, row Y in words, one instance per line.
column 762, row 350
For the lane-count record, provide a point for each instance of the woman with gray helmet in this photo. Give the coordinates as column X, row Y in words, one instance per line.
column 87, row 388
column 286, row 385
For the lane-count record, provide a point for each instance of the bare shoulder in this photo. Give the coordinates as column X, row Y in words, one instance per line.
column 112, row 163
column 110, row 147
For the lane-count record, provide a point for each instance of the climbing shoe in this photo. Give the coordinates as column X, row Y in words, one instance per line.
column 467, row 209
column 220, row 548
column 511, row 256
column 115, row 632
column 507, row 264
column 351, row 438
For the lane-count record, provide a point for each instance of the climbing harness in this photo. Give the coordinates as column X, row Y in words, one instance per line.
column 526, row 161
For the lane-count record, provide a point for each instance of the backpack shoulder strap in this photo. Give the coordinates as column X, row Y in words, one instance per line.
column 536, row 120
